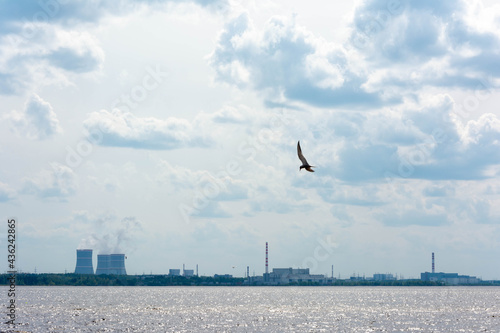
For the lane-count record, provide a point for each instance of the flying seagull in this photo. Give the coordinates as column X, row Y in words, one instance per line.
column 303, row 159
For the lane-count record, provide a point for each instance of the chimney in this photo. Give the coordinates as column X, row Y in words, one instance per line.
column 267, row 267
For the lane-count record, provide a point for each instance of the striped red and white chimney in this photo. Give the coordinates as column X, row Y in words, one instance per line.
column 267, row 268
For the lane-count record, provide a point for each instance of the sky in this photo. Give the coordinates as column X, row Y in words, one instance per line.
column 167, row 130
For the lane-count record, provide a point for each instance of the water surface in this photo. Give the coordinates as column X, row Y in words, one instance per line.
column 257, row 309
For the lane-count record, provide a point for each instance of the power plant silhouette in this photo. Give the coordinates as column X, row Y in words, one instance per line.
column 106, row 263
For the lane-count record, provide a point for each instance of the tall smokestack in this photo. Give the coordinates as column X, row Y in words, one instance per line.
column 84, row 262
column 197, row 270
column 432, row 262
column 248, row 271
column 267, row 268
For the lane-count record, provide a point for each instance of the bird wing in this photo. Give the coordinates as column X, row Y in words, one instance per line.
column 301, row 157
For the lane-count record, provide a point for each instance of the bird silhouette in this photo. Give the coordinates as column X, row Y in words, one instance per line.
column 304, row 165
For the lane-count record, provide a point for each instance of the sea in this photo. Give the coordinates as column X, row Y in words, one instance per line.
column 254, row 309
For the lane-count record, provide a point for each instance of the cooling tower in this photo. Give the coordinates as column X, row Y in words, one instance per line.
column 84, row 262
column 102, row 264
column 117, row 264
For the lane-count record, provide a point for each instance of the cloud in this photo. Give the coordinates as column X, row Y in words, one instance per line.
column 108, row 234
column 6, row 193
column 284, row 59
column 60, row 182
column 123, row 129
column 69, row 13
column 219, row 186
column 414, row 217
column 439, row 191
column 426, row 139
column 74, row 61
column 479, row 210
column 412, row 44
column 351, row 195
column 50, row 56
column 232, row 115
column 468, row 152
column 37, row 121
column 212, row 209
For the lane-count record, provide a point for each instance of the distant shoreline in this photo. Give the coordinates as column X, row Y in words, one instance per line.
column 53, row 279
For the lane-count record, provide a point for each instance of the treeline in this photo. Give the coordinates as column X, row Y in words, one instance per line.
column 24, row 279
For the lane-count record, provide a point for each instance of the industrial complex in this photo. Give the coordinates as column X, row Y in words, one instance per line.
column 114, row 264
column 106, row 263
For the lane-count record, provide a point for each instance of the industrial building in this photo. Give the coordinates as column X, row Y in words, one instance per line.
column 383, row 277
column 294, row 275
column 449, row 278
column 84, row 262
column 188, row 272
column 106, row 263
column 111, row 264
column 174, row 272
column 286, row 275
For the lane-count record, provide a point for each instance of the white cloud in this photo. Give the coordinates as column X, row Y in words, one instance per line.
column 37, row 121
column 107, row 234
column 60, row 182
column 417, row 44
column 51, row 55
column 285, row 59
column 6, row 193
column 123, row 129
column 69, row 13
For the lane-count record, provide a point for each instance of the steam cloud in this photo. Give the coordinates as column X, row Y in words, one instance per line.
column 111, row 235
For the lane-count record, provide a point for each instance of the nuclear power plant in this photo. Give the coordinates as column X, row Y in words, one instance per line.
column 84, row 262
column 114, row 264
column 106, row 263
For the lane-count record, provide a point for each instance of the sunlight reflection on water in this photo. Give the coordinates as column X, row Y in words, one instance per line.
column 258, row 309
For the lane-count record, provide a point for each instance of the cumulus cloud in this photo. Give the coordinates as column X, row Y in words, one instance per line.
column 60, row 182
column 417, row 140
column 50, row 56
column 123, row 129
column 37, row 121
column 416, row 44
column 286, row 59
